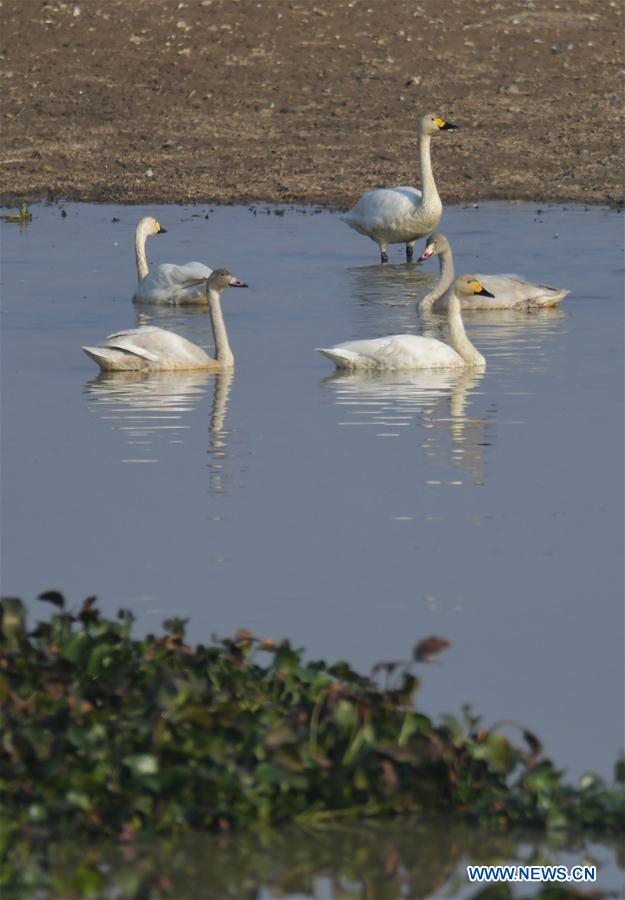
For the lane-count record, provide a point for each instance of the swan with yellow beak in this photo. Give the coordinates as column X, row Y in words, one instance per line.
column 411, row 351
column 402, row 215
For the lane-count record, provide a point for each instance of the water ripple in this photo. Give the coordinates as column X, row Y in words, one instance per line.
column 152, row 408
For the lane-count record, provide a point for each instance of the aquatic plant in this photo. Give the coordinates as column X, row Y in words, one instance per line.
column 22, row 218
column 104, row 733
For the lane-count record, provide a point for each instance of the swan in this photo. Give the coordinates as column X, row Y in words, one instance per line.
column 507, row 291
column 152, row 349
column 166, row 283
column 402, row 214
column 409, row 351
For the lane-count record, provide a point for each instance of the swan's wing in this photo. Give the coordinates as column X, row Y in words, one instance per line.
column 403, row 351
column 143, row 342
column 409, row 350
column 383, row 206
column 136, row 350
column 412, row 194
column 354, row 354
column 180, row 276
column 156, row 345
column 171, row 283
column 142, row 329
column 517, row 291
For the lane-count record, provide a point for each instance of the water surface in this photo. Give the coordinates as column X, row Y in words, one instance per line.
column 385, row 860
column 352, row 514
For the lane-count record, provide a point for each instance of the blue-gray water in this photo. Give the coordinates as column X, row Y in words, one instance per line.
column 351, row 515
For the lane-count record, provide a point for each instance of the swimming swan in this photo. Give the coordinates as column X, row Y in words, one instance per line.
column 402, row 214
column 166, row 283
column 409, row 351
column 507, row 291
column 151, row 349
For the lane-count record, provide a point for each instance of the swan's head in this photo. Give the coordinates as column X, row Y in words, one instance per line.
column 149, row 225
column 432, row 123
column 469, row 286
column 436, row 243
column 220, row 279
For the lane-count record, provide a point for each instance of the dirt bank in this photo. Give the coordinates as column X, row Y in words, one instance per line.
column 230, row 101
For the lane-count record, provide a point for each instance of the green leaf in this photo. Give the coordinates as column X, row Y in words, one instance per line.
column 76, row 648
column 142, row 764
column 78, row 798
column 13, row 618
column 37, row 813
column 345, row 715
column 497, row 751
column 100, row 659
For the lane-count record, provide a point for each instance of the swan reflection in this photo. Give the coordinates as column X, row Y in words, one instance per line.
column 173, row 317
column 436, row 401
column 511, row 333
column 386, row 298
column 153, row 409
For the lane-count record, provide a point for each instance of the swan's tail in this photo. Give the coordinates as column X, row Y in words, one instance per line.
column 111, row 360
column 551, row 296
column 342, row 359
column 349, row 219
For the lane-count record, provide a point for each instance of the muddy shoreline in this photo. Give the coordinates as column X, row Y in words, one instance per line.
column 240, row 101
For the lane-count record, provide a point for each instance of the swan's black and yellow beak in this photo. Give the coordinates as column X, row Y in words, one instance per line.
column 479, row 290
column 443, row 125
column 161, row 230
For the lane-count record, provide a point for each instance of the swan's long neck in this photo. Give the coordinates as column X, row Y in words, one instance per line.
column 223, row 353
column 142, row 262
column 430, row 201
column 445, row 281
column 223, row 380
column 458, row 336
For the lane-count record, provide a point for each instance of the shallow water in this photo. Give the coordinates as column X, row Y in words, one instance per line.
column 353, row 515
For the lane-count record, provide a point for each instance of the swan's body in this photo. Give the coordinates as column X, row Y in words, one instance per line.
column 148, row 348
column 409, row 351
column 402, row 214
column 169, row 283
column 151, row 349
column 166, row 283
column 509, row 291
column 397, row 351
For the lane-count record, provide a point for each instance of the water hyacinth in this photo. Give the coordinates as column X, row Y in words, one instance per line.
column 104, row 733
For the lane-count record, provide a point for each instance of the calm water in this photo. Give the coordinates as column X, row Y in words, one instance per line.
column 353, row 515
column 381, row 861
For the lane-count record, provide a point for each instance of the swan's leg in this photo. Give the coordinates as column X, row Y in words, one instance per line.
column 410, row 249
column 383, row 248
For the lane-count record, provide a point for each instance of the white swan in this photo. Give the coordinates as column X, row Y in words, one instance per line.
column 409, row 351
column 166, row 283
column 152, row 349
column 506, row 291
column 402, row 214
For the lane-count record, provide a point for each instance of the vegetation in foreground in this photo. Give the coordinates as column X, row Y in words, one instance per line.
column 104, row 733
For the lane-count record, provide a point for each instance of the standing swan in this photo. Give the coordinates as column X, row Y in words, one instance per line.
column 506, row 291
column 402, row 214
column 151, row 349
column 409, row 351
column 166, row 283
